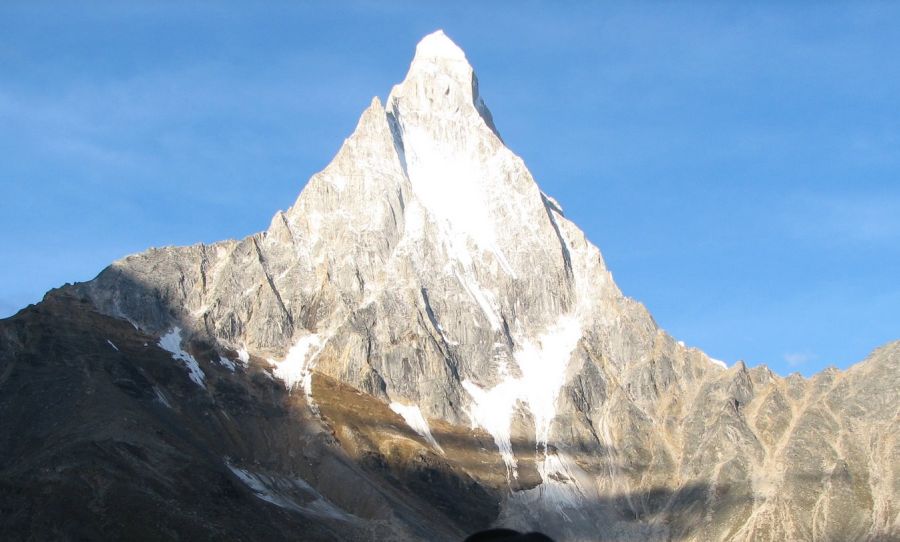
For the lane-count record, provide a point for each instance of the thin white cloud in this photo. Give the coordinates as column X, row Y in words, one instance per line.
column 796, row 359
column 156, row 128
column 844, row 219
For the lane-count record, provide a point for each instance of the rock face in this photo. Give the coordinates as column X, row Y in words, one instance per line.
column 421, row 346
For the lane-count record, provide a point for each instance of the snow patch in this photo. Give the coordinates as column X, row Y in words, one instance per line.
column 542, row 364
column 114, row 347
column 443, row 333
column 492, row 410
column 244, row 357
column 339, row 182
column 485, row 299
column 438, row 45
column 161, row 398
column 227, row 363
column 566, row 496
column 553, row 203
column 296, row 367
column 451, row 189
column 259, row 488
column 171, row 342
column 720, row 363
column 286, row 492
column 412, row 415
column 561, row 485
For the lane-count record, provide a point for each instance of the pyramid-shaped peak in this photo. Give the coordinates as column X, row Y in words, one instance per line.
column 437, row 46
column 440, row 77
column 440, row 82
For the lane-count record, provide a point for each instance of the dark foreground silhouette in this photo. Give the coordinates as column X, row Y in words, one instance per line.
column 507, row 535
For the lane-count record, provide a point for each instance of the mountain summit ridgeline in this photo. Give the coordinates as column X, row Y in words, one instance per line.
column 421, row 346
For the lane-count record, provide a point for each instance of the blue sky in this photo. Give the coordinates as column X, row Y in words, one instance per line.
column 737, row 165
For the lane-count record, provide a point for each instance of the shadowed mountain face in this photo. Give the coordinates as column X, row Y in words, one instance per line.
column 420, row 347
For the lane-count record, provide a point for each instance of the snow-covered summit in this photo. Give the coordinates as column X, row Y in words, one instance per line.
column 440, row 79
column 438, row 46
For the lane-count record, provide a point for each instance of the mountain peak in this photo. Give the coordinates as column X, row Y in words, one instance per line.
column 438, row 46
column 440, row 81
column 423, row 281
column 437, row 55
